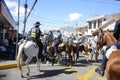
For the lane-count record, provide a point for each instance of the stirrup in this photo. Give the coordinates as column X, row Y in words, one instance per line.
column 55, row 54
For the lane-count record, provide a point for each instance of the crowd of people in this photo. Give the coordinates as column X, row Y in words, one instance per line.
column 8, row 48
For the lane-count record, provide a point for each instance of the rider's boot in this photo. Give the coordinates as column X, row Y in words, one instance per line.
column 101, row 68
column 55, row 54
column 55, row 51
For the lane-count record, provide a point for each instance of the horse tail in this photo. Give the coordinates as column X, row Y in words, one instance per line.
column 20, row 51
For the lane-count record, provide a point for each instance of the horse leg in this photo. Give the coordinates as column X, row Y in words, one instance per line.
column 70, row 60
column 74, row 58
column 53, row 59
column 92, row 53
column 58, row 58
column 86, row 56
column 21, row 59
column 27, row 63
column 47, row 60
column 65, row 56
column 96, row 55
column 38, row 63
column 77, row 56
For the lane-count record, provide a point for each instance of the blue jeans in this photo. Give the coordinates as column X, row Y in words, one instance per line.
column 40, row 45
column 57, row 42
column 104, row 59
column 77, row 50
column 117, row 44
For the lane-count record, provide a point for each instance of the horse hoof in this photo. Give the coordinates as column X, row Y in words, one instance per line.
column 27, row 74
column 38, row 70
column 28, row 78
column 22, row 76
column 52, row 64
column 70, row 65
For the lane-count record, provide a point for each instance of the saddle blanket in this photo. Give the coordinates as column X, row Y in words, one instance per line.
column 110, row 50
column 75, row 41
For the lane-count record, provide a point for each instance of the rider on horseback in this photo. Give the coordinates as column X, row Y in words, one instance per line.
column 81, row 39
column 57, row 41
column 71, row 38
column 50, row 37
column 35, row 34
column 116, row 34
column 46, row 40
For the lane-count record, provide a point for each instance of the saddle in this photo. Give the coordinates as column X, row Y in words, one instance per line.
column 75, row 41
column 61, row 45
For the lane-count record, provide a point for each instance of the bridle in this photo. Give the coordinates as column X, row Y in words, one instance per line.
column 101, row 41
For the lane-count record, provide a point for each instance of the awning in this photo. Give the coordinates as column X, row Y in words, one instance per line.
column 5, row 15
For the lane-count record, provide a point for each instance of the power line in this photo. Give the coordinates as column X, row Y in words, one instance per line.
column 105, row 2
column 31, row 9
column 50, row 21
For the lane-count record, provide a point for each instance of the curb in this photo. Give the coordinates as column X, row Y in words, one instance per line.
column 9, row 65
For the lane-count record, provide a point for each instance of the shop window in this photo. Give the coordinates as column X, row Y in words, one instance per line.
column 90, row 25
column 99, row 23
column 94, row 24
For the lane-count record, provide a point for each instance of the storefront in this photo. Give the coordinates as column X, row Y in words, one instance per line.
column 7, row 22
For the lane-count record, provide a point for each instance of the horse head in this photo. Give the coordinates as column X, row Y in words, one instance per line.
column 105, row 38
column 100, row 39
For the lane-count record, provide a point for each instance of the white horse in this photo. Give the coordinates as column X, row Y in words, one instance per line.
column 93, row 46
column 30, row 50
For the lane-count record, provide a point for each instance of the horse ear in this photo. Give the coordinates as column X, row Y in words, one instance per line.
column 101, row 30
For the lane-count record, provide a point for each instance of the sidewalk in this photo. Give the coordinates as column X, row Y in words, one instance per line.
column 6, row 64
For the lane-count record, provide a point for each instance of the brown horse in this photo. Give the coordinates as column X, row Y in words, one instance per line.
column 113, row 63
column 63, row 47
column 82, row 47
column 69, row 51
column 105, row 38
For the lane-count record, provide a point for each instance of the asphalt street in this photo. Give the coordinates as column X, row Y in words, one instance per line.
column 79, row 71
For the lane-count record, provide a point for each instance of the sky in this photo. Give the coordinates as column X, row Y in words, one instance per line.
column 54, row 14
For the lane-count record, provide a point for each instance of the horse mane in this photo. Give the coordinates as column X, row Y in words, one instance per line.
column 109, row 38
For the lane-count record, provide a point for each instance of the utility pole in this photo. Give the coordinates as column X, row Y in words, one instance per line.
column 18, row 23
column 76, row 29
column 25, row 6
column 26, row 16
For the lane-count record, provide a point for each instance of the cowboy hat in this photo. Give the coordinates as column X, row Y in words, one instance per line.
column 37, row 23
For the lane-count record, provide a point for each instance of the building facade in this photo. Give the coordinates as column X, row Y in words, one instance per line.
column 105, row 22
column 95, row 22
column 7, row 23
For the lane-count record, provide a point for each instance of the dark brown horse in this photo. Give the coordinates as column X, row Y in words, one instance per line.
column 113, row 63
